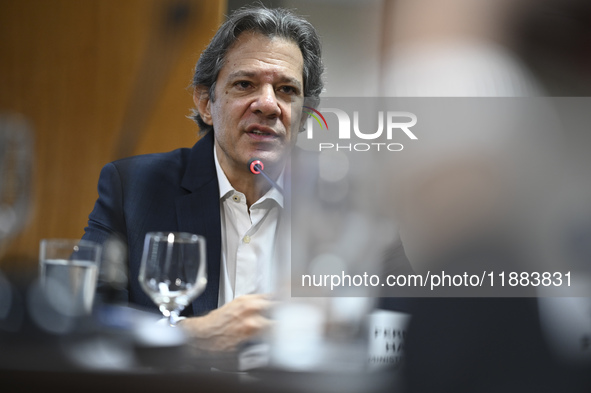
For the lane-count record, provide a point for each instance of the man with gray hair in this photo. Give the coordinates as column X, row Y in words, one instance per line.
column 259, row 63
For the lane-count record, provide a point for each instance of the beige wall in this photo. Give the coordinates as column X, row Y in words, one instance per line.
column 96, row 79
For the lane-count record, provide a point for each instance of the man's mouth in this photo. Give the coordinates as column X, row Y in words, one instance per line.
column 259, row 131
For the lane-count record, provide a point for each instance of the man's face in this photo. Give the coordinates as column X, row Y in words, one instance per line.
column 255, row 88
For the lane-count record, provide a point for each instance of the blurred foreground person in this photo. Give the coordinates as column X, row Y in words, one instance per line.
column 483, row 195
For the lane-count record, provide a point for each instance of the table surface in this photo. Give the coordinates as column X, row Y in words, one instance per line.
column 93, row 358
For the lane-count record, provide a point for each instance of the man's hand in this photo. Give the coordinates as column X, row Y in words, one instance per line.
column 225, row 328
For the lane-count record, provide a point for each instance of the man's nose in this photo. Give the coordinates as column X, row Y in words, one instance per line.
column 266, row 102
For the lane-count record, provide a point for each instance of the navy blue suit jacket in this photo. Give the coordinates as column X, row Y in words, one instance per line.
column 174, row 191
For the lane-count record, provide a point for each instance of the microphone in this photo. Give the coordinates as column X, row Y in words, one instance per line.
column 256, row 166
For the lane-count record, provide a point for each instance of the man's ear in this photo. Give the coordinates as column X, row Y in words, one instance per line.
column 303, row 121
column 202, row 103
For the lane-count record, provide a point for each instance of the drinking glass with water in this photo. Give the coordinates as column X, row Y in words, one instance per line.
column 69, row 271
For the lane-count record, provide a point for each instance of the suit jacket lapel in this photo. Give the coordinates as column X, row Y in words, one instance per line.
column 199, row 212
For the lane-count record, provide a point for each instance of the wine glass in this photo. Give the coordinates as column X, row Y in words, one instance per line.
column 173, row 270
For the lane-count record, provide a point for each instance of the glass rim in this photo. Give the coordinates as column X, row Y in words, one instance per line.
column 176, row 234
column 69, row 241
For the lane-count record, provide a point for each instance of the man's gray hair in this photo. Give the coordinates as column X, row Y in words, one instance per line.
column 271, row 22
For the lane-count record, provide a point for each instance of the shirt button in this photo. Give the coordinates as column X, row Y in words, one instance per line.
column 236, row 198
column 246, row 239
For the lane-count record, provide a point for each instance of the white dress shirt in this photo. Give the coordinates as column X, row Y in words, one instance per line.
column 248, row 240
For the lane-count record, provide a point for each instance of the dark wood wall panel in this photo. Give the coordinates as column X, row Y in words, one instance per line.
column 73, row 69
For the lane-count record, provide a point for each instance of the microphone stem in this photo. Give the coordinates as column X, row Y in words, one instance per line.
column 269, row 179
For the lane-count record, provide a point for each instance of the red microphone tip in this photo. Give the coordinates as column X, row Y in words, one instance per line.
column 256, row 166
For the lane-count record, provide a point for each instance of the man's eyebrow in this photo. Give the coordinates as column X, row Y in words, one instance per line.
column 250, row 74
column 239, row 74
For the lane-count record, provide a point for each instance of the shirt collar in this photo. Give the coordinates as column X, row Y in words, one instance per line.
column 225, row 186
column 227, row 190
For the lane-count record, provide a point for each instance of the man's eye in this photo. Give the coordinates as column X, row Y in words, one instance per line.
column 288, row 90
column 242, row 84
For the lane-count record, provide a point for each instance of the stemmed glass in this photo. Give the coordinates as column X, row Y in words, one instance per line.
column 173, row 271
